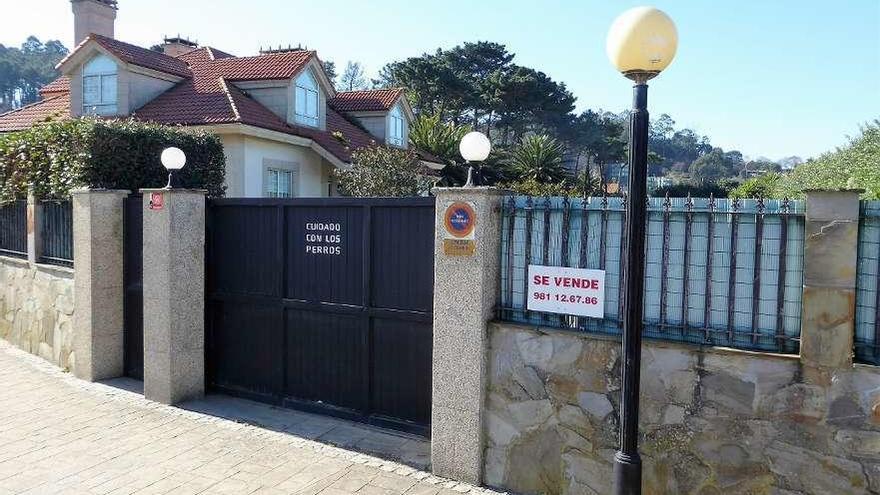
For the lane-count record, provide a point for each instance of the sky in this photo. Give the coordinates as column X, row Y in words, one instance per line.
column 771, row 78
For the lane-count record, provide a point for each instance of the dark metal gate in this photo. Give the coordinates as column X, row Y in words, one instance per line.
column 133, row 278
column 323, row 304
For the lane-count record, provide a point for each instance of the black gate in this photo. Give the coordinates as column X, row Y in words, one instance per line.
column 324, row 304
column 133, row 278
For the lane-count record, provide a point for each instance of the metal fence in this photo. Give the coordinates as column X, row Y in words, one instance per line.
column 56, row 228
column 13, row 229
column 867, row 337
column 718, row 272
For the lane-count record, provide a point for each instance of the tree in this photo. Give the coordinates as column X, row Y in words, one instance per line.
column 429, row 133
column 23, row 71
column 717, row 164
column 763, row 186
column 330, row 70
column 855, row 165
column 353, row 77
column 477, row 83
column 538, row 157
column 381, row 171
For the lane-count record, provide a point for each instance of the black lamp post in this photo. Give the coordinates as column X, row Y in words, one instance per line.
column 641, row 43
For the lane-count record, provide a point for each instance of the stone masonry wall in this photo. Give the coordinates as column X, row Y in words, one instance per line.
column 36, row 309
column 713, row 421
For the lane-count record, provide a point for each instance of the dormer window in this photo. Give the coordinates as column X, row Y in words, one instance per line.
column 396, row 127
column 99, row 86
column 306, row 100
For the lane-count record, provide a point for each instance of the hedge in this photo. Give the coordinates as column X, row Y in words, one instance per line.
column 111, row 154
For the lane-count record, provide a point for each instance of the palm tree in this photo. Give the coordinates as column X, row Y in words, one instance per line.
column 429, row 133
column 539, row 158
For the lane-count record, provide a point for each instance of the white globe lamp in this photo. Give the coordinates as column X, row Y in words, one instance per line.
column 641, row 42
column 474, row 147
column 173, row 159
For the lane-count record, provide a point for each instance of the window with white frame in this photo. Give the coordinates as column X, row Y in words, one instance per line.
column 396, row 128
column 279, row 183
column 306, row 99
column 99, row 86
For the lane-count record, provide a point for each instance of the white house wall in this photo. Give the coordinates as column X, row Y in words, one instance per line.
column 233, row 149
column 275, row 99
column 142, row 89
column 259, row 154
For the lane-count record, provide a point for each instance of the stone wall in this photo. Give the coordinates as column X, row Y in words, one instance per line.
column 36, row 309
column 713, row 421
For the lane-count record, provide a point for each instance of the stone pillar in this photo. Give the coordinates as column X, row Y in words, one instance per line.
column 97, row 283
column 829, row 297
column 34, row 232
column 466, row 281
column 174, row 294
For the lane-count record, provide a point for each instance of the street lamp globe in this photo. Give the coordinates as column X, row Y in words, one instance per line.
column 641, row 42
column 173, row 158
column 475, row 146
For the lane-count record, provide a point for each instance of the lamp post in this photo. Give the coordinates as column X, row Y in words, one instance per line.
column 474, row 147
column 640, row 44
column 173, row 159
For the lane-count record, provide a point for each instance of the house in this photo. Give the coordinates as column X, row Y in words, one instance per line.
column 284, row 126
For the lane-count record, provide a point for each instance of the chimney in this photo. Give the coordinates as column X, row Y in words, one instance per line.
column 174, row 47
column 93, row 16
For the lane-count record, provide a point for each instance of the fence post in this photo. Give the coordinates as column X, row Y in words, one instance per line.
column 97, row 283
column 34, row 227
column 174, row 294
column 466, row 278
column 829, row 295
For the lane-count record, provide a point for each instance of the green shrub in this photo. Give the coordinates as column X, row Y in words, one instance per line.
column 382, row 171
column 112, row 154
column 853, row 166
column 762, row 186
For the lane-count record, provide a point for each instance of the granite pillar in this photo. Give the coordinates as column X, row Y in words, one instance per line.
column 466, row 278
column 98, row 285
column 174, row 294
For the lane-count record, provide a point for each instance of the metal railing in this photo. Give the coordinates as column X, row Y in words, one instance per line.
column 867, row 335
column 56, row 228
column 718, row 272
column 13, row 229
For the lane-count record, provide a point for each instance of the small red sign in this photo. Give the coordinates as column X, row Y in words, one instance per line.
column 157, row 201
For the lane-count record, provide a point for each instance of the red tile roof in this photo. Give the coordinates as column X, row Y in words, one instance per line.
column 371, row 100
column 206, row 100
column 270, row 66
column 202, row 54
column 136, row 55
column 53, row 108
column 60, row 85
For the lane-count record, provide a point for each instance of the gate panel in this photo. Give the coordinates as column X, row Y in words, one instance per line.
column 326, row 358
column 133, row 279
column 324, row 304
column 248, row 344
column 400, row 277
column 401, row 369
column 315, row 275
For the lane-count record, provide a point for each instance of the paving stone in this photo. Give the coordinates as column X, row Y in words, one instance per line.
column 60, row 435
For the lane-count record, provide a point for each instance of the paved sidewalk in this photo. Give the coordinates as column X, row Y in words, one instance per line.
column 62, row 435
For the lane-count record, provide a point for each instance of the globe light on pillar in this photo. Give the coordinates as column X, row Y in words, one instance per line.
column 641, row 43
column 173, row 159
column 474, row 147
